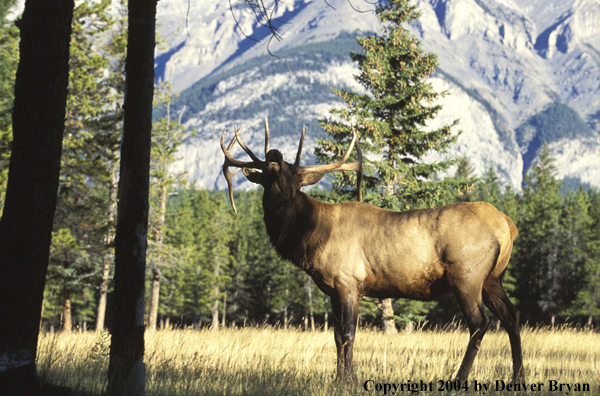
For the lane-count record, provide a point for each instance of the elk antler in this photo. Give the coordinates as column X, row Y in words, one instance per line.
column 266, row 135
column 230, row 160
column 340, row 165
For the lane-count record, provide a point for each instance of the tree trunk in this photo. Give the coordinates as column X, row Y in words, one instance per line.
column 67, row 319
column 224, row 309
column 310, row 304
column 126, row 372
column 326, row 321
column 101, row 311
column 215, row 318
column 30, row 201
column 387, row 316
column 112, row 211
column 216, row 272
column 155, row 297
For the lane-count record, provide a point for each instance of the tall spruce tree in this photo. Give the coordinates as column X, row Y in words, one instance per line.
column 110, row 127
column 588, row 293
column 80, row 207
column 167, row 135
column 391, row 120
column 536, row 258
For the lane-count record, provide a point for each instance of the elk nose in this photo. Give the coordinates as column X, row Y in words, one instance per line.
column 274, row 156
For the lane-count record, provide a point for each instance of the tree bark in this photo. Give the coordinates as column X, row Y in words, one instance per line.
column 387, row 313
column 26, row 224
column 126, row 372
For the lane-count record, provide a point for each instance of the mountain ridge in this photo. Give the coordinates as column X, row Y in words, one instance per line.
column 503, row 61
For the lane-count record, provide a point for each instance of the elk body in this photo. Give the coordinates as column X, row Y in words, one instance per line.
column 354, row 249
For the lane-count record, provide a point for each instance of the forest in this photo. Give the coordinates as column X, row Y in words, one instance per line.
column 217, row 268
column 207, row 266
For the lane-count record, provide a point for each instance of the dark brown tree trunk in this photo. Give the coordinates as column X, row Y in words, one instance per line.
column 126, row 367
column 26, row 224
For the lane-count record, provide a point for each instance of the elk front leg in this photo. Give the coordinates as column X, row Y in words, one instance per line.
column 345, row 312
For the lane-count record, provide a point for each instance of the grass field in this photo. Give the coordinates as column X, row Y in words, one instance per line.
column 266, row 361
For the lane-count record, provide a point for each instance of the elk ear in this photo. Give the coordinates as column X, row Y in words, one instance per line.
column 253, row 176
column 307, row 179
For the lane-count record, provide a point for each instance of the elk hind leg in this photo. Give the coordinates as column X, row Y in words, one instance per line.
column 473, row 309
column 497, row 301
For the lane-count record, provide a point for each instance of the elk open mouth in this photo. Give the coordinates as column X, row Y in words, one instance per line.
column 274, row 159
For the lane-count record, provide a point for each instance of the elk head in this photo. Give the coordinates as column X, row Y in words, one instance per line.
column 278, row 176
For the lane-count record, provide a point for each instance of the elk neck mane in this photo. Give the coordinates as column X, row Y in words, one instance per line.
column 296, row 227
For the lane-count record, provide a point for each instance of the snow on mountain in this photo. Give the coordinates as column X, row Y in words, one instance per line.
column 503, row 61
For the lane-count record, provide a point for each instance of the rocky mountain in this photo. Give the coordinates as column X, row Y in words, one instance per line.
column 520, row 73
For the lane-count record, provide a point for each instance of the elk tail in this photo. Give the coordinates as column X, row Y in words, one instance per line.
column 514, row 231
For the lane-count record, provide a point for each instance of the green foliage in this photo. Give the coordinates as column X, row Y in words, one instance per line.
column 9, row 58
column 557, row 121
column 391, row 119
column 403, row 320
column 89, row 157
column 101, row 349
column 464, row 171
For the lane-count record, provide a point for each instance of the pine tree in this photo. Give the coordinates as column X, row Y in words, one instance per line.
column 81, row 206
column 167, row 136
column 537, row 263
column 581, row 222
column 576, row 238
column 488, row 190
column 108, row 133
column 38, row 116
column 464, row 170
column 187, row 285
column 391, row 120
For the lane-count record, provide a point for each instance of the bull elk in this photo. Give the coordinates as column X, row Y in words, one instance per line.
column 355, row 249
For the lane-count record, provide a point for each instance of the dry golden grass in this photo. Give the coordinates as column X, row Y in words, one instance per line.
column 265, row 361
